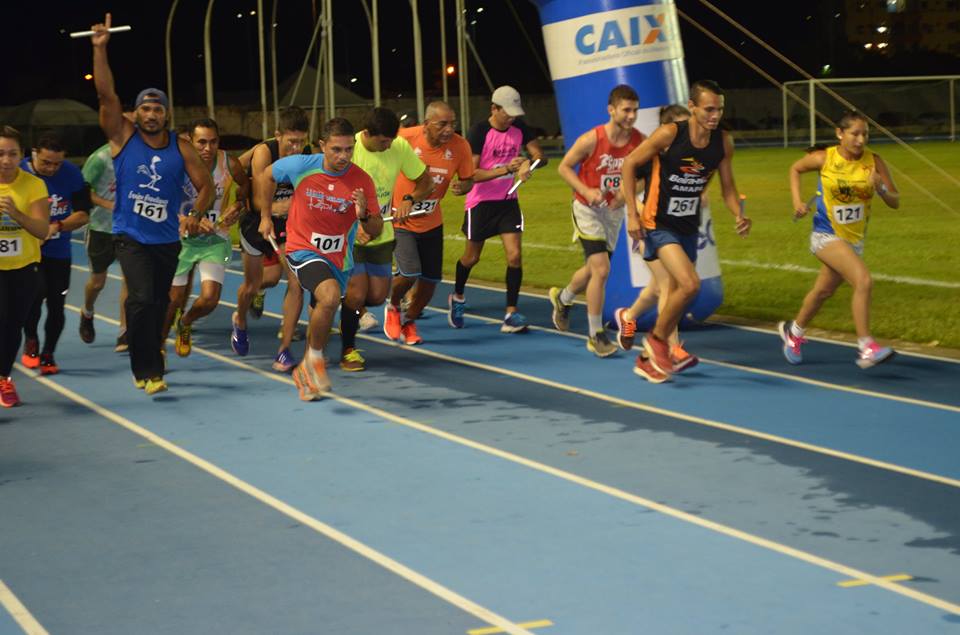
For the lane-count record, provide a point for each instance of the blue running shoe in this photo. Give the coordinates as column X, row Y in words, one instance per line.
column 455, row 312
column 514, row 323
column 238, row 339
column 284, row 361
column 869, row 356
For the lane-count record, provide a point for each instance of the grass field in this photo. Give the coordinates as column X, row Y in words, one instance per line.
column 919, row 241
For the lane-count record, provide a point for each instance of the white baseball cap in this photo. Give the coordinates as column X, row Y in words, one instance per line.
column 508, row 98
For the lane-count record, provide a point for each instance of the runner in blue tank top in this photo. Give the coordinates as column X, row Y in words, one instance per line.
column 151, row 165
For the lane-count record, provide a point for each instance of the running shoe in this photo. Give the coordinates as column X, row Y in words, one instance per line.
column 561, row 311
column 791, row 343
column 184, row 338
column 155, row 385
column 87, row 332
column 256, row 305
column 409, row 335
column 682, row 360
column 30, row 357
column 311, row 379
column 238, row 339
column 658, row 352
column 626, row 329
column 140, row 383
column 352, row 361
column 47, row 365
column 391, row 322
column 121, row 345
column 284, row 361
column 873, row 354
column 455, row 310
column 8, row 393
column 368, row 322
column 514, row 323
column 600, row 345
column 648, row 371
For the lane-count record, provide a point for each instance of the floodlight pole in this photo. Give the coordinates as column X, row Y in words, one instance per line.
column 173, row 8
column 953, row 111
column 373, row 23
column 462, row 61
column 331, row 102
column 812, row 100
column 417, row 57
column 273, row 64
column 443, row 53
column 476, row 56
column 306, row 60
column 208, row 59
column 263, row 69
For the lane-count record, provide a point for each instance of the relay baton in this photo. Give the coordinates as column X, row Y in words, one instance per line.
column 410, row 215
column 513, row 188
column 113, row 29
column 273, row 243
column 810, row 203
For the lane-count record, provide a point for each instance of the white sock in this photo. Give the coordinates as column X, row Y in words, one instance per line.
column 796, row 331
column 595, row 324
column 315, row 353
column 86, row 314
column 864, row 342
column 508, row 315
column 567, row 296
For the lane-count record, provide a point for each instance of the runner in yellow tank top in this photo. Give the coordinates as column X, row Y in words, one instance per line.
column 850, row 175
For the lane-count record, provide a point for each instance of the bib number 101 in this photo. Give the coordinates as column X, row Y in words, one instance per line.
column 327, row 244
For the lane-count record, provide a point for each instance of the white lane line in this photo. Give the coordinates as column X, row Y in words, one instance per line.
column 921, row 282
column 804, row 556
column 20, row 614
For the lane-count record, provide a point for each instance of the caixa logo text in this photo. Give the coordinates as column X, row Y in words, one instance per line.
column 614, row 34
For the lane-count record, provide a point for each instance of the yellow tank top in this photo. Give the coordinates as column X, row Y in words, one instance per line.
column 18, row 248
column 845, row 190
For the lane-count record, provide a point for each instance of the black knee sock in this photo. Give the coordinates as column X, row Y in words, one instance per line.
column 462, row 274
column 349, row 325
column 514, row 278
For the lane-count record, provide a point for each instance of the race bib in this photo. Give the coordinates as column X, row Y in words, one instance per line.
column 609, row 182
column 213, row 215
column 683, row 206
column 55, row 236
column 156, row 212
column 327, row 244
column 425, row 207
column 10, row 247
column 847, row 214
column 385, row 210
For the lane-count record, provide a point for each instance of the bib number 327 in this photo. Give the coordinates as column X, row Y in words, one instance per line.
column 156, row 212
column 327, row 244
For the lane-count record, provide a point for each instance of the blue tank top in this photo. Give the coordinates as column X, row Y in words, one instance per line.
column 149, row 190
column 63, row 186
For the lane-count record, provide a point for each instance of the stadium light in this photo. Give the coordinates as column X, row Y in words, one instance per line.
column 88, row 77
column 881, row 29
column 353, row 80
column 451, row 69
column 882, row 45
column 868, row 45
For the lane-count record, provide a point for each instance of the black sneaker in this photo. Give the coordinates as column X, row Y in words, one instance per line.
column 87, row 332
column 122, row 346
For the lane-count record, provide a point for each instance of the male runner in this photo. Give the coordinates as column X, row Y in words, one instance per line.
column 686, row 154
column 383, row 155
column 490, row 210
column 151, row 165
column 419, row 249
column 69, row 210
column 332, row 200
column 598, row 208
column 211, row 250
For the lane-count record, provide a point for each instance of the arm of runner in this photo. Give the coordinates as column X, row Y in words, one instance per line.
column 657, row 142
column 36, row 220
column 728, row 187
column 810, row 162
column 116, row 128
column 370, row 220
column 202, row 181
column 102, row 202
column 259, row 164
column 884, row 185
column 582, row 148
column 264, row 187
column 81, row 203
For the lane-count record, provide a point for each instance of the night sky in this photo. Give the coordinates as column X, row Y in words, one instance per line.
column 49, row 64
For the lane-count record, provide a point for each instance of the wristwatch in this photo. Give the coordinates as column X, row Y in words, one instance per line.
column 195, row 213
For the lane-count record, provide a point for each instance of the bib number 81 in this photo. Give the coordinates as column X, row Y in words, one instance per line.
column 10, row 247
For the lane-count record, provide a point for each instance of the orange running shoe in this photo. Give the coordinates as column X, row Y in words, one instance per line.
column 30, row 357
column 409, row 334
column 682, row 360
column 391, row 322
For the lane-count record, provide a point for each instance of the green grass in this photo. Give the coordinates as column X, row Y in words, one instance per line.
column 920, row 240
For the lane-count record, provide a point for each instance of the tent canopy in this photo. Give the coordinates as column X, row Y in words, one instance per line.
column 52, row 113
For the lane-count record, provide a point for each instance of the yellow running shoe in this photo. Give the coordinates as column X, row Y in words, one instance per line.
column 184, row 339
column 352, row 361
column 155, row 385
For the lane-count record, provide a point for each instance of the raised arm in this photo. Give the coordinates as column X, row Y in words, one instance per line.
column 116, row 128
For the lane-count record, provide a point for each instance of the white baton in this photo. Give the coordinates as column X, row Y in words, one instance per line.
column 113, row 29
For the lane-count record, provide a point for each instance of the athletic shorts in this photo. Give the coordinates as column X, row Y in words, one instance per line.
column 100, row 250
column 598, row 228
column 212, row 260
column 376, row 261
column 311, row 269
column 657, row 238
column 251, row 240
column 420, row 254
column 819, row 240
column 487, row 219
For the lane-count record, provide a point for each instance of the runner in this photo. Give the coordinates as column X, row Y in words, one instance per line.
column 69, row 210
column 598, row 208
column 849, row 175
column 101, row 252
column 686, row 154
column 332, row 200
column 290, row 139
column 151, row 165
column 419, row 249
column 24, row 222
column 490, row 209
column 658, row 289
column 211, row 250
column 383, row 155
